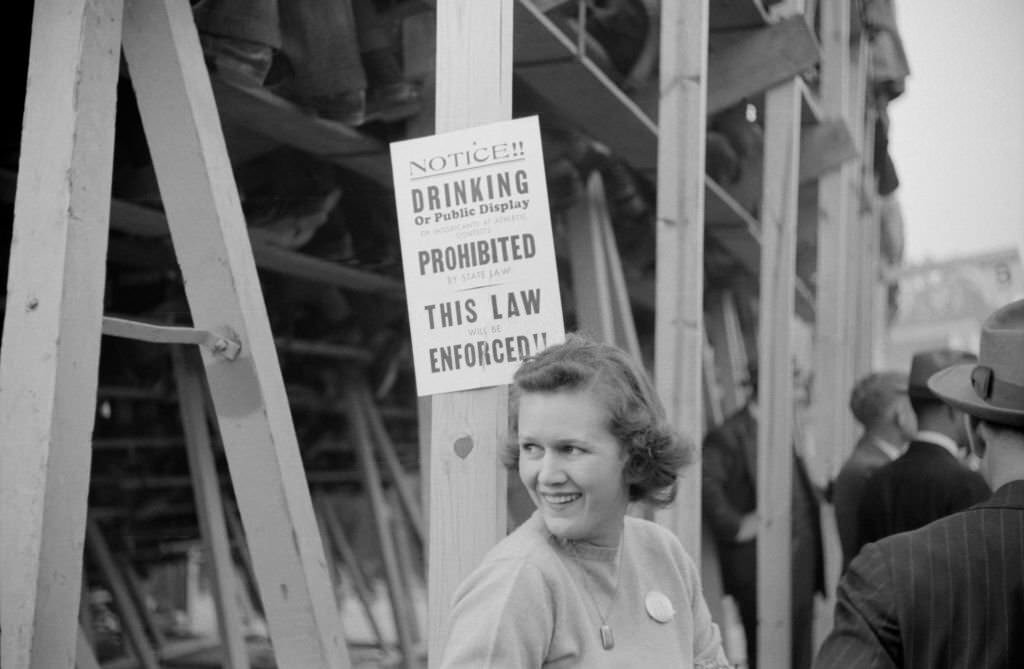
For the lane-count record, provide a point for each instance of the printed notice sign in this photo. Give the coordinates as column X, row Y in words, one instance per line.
column 477, row 252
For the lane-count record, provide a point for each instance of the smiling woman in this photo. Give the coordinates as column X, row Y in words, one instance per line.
column 581, row 584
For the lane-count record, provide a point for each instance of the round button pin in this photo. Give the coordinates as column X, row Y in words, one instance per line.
column 659, row 606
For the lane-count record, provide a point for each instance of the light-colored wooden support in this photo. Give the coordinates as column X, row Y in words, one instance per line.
column 407, row 569
column 748, row 62
column 723, row 328
column 336, row 534
column 138, row 593
column 779, row 212
column 831, row 384
column 382, row 441
column 603, row 309
column 209, row 505
column 212, row 245
column 50, row 351
column 128, row 614
column 361, row 435
column 679, row 293
column 862, row 176
column 467, row 494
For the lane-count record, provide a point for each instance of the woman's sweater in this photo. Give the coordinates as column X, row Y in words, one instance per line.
column 534, row 601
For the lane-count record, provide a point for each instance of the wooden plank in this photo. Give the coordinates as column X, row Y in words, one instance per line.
column 138, row 594
column 775, row 364
column 128, row 614
column 336, row 535
column 588, row 260
column 551, row 64
column 723, row 330
column 467, row 494
column 679, row 311
column 623, row 324
column 260, row 111
column 209, row 505
column 211, row 241
column 136, row 219
column 382, row 440
column 400, row 605
column 744, row 64
column 831, row 334
column 51, row 331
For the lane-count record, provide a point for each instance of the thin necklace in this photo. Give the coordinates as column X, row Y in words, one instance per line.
column 605, row 630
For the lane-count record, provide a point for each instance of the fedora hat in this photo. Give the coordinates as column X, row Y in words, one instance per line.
column 925, row 363
column 992, row 389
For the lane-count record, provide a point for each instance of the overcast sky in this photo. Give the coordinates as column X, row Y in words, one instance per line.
column 957, row 133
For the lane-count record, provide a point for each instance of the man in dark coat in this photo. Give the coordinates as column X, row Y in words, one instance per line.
column 951, row 594
column 729, row 495
column 879, row 403
column 929, row 480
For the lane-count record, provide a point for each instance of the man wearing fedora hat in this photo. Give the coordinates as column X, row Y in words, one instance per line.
column 929, row 480
column 951, row 594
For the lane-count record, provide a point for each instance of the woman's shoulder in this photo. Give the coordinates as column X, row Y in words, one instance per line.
column 656, row 540
column 528, row 544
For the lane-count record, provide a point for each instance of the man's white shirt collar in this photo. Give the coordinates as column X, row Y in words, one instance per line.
column 940, row 440
column 891, row 450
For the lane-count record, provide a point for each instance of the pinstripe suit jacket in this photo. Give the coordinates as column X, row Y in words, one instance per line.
column 950, row 594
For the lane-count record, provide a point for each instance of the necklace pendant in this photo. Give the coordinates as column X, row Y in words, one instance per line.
column 607, row 640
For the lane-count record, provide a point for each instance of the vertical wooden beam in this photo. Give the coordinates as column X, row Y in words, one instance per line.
column 679, row 292
column 868, row 252
column 467, row 493
column 212, row 245
column 50, row 352
column 779, row 210
column 603, row 308
column 209, row 505
column 590, row 283
column 375, row 492
column 834, row 198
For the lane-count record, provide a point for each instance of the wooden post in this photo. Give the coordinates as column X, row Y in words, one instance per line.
column 50, row 351
column 859, row 66
column 209, row 505
column 679, row 299
column 779, row 210
column 831, row 387
column 467, row 494
column 360, row 431
column 835, row 195
column 129, row 615
column 336, row 535
column 602, row 299
column 213, row 249
column 138, row 594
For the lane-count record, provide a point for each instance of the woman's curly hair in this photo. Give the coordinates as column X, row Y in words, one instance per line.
column 655, row 451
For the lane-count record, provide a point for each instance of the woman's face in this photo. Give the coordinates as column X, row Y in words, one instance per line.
column 572, row 465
